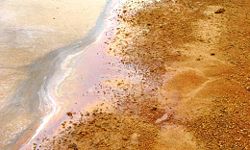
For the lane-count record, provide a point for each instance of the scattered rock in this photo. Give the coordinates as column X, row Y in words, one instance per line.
column 154, row 108
column 248, row 88
column 165, row 117
column 70, row 114
column 220, row 11
column 73, row 146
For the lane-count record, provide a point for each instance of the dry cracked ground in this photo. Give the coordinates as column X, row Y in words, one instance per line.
column 189, row 82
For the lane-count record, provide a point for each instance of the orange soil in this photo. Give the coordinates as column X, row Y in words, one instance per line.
column 194, row 91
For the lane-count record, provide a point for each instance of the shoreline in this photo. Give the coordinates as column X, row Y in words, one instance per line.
column 179, row 91
column 57, row 59
column 163, row 75
column 40, row 73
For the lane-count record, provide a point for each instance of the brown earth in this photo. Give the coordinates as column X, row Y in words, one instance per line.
column 193, row 60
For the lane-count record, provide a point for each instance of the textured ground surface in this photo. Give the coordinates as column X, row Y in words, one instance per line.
column 187, row 86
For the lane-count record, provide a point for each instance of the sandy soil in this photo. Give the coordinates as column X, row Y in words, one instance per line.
column 30, row 30
column 187, row 84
